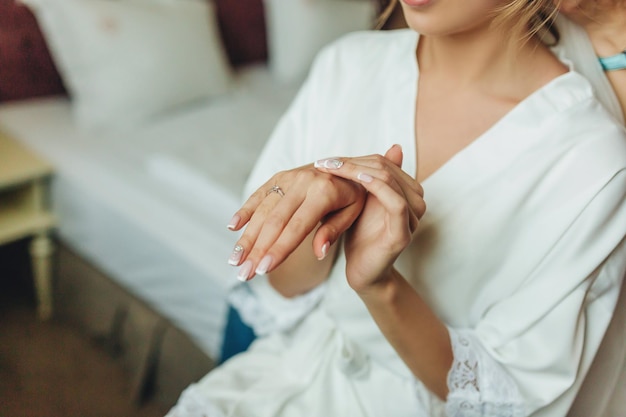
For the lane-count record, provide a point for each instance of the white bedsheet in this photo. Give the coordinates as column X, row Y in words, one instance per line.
column 150, row 206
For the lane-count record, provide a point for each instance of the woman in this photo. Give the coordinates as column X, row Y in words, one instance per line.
column 604, row 35
column 494, row 302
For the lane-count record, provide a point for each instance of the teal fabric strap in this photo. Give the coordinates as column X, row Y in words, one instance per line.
column 614, row 62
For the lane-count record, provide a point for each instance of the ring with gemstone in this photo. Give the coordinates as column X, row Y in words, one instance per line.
column 276, row 189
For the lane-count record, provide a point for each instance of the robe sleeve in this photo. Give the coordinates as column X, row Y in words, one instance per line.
column 266, row 311
column 534, row 347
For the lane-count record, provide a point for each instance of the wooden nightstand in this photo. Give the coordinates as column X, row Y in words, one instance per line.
column 24, row 213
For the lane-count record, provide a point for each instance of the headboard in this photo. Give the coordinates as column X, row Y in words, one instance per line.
column 242, row 25
column 27, row 70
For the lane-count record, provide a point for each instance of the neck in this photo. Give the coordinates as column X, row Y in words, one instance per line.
column 482, row 58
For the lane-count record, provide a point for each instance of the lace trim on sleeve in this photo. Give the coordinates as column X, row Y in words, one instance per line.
column 193, row 404
column 266, row 311
column 478, row 385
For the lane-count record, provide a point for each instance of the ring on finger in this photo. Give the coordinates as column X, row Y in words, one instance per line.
column 275, row 189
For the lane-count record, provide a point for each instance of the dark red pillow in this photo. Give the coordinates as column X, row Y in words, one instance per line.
column 26, row 68
column 242, row 25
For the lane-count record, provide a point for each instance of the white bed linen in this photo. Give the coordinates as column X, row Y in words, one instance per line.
column 150, row 206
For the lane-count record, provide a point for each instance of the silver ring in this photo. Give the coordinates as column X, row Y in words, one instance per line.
column 276, row 189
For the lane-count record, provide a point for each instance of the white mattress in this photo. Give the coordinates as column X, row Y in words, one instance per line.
column 150, row 207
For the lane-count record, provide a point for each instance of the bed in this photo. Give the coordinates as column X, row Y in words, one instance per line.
column 153, row 204
column 142, row 238
column 142, row 206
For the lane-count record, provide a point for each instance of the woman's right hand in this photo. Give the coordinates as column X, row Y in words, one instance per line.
column 604, row 21
column 277, row 224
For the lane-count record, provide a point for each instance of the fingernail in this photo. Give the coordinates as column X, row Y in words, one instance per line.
column 364, row 177
column 244, row 271
column 233, row 222
column 330, row 163
column 264, row 265
column 235, row 256
column 325, row 247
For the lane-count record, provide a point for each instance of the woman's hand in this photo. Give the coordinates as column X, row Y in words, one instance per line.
column 279, row 219
column 389, row 218
column 604, row 21
column 585, row 12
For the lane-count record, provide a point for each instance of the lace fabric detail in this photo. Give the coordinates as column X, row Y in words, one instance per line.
column 478, row 385
column 261, row 308
column 193, row 404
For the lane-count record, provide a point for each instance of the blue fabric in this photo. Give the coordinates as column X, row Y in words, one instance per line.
column 237, row 335
column 614, row 62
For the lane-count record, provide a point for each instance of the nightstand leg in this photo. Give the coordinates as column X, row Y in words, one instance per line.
column 41, row 256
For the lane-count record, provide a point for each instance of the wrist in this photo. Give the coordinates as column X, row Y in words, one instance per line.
column 384, row 289
column 613, row 62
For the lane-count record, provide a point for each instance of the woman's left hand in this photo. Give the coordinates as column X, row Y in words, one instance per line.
column 388, row 220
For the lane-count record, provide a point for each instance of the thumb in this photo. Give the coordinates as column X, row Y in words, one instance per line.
column 394, row 154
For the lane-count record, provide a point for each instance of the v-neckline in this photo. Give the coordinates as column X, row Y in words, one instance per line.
column 483, row 137
column 489, row 148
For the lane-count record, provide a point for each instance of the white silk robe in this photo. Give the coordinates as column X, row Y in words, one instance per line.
column 521, row 253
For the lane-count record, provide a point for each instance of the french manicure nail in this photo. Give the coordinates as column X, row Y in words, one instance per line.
column 233, row 222
column 264, row 265
column 329, row 163
column 364, row 177
column 244, row 271
column 235, row 256
column 325, row 247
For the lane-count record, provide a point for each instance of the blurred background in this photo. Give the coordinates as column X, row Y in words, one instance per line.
column 127, row 131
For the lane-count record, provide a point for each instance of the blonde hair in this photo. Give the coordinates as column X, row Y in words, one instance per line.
column 386, row 8
column 528, row 17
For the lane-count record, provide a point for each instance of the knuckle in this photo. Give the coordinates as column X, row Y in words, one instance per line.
column 279, row 251
column 379, row 162
column 246, row 212
column 304, row 175
column 324, row 185
column 275, row 221
column 405, row 240
column 419, row 189
column 400, row 209
column 399, row 244
column 386, row 176
column 298, row 226
column 378, row 158
column 331, row 231
column 244, row 245
column 280, row 175
column 421, row 210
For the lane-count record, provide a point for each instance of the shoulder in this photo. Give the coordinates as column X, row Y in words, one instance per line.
column 575, row 49
column 590, row 140
column 578, row 115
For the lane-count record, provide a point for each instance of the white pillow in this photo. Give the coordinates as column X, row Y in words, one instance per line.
column 298, row 29
column 125, row 61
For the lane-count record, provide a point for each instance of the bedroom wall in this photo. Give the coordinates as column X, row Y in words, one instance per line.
column 28, row 71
